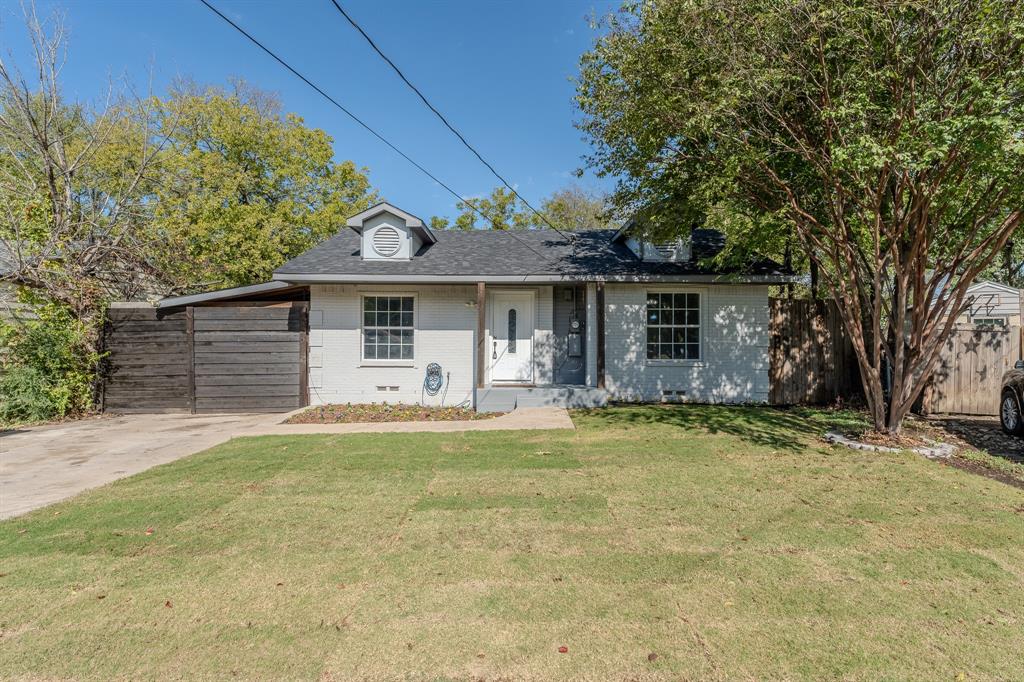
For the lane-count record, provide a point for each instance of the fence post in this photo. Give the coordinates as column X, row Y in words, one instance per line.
column 190, row 344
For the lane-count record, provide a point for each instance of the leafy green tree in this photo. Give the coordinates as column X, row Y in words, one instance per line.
column 244, row 187
column 886, row 137
column 502, row 209
column 571, row 208
column 574, row 208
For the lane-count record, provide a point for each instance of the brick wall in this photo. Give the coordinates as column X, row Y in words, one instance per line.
column 734, row 338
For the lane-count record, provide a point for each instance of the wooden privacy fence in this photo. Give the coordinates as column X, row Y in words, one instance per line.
column 222, row 358
column 811, row 358
column 970, row 372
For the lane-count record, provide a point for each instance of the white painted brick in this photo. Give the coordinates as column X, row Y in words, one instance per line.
column 445, row 325
column 735, row 365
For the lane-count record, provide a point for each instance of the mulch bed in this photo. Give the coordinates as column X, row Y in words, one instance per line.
column 350, row 414
column 982, row 470
column 966, row 433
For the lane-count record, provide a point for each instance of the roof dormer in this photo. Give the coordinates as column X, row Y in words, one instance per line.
column 389, row 233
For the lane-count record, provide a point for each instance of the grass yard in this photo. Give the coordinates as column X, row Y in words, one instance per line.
column 654, row 543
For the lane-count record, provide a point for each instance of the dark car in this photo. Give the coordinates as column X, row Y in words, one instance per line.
column 1011, row 404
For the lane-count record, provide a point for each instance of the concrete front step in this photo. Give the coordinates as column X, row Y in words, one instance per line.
column 508, row 398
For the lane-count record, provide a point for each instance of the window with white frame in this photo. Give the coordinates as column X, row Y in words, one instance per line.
column 388, row 327
column 673, row 326
column 989, row 321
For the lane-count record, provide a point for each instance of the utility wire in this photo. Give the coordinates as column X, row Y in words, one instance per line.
column 373, row 132
column 444, row 120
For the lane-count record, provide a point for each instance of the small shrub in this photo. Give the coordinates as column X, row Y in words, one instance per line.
column 49, row 366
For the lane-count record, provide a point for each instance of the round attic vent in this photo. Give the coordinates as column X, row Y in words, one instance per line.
column 386, row 241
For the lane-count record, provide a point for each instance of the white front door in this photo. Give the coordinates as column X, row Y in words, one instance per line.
column 511, row 350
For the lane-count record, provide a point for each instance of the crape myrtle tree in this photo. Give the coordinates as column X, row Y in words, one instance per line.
column 887, row 137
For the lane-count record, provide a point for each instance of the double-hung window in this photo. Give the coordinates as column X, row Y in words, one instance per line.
column 388, row 327
column 673, row 326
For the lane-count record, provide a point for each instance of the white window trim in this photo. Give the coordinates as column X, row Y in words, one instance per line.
column 374, row 362
column 702, row 301
column 997, row 321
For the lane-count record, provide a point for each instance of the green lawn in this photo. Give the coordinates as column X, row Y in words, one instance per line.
column 726, row 542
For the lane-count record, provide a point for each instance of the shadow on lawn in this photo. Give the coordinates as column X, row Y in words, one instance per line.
column 781, row 429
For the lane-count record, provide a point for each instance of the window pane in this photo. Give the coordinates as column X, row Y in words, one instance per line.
column 673, row 326
column 388, row 323
column 512, row 330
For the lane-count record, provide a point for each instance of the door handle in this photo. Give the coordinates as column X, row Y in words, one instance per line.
column 494, row 353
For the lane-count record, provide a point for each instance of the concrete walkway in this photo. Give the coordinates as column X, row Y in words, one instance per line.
column 46, row 464
column 525, row 418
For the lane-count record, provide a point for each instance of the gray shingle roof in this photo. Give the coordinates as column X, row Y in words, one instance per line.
column 526, row 253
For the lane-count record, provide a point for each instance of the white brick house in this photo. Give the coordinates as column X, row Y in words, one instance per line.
column 525, row 318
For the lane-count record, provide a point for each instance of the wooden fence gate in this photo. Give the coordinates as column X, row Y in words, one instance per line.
column 220, row 358
column 811, row 358
column 970, row 371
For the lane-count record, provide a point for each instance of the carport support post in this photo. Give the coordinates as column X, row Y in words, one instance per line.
column 481, row 336
column 190, row 346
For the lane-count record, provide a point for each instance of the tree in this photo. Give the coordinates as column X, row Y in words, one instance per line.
column 1009, row 267
column 886, row 136
column 502, row 209
column 243, row 188
column 571, row 208
column 73, row 185
column 574, row 208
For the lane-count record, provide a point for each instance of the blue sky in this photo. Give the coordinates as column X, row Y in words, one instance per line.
column 500, row 71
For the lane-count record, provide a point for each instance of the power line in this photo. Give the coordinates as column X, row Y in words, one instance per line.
column 355, row 118
column 444, row 120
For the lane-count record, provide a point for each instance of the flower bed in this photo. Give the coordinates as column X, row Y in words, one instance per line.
column 348, row 414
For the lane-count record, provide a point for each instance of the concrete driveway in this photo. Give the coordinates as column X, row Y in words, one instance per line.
column 46, row 464
column 42, row 465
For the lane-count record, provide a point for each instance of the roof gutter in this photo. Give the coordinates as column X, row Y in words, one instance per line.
column 533, row 279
